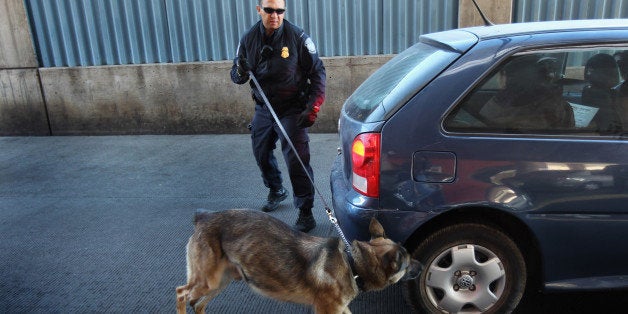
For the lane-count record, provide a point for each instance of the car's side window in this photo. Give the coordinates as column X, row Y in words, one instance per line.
column 576, row 91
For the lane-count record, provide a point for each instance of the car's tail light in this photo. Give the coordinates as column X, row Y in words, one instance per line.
column 365, row 153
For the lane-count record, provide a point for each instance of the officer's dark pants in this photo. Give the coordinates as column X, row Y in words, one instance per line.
column 264, row 135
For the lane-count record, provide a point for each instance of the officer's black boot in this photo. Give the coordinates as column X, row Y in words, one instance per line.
column 306, row 221
column 274, row 198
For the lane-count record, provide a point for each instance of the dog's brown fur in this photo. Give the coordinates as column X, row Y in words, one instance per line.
column 284, row 264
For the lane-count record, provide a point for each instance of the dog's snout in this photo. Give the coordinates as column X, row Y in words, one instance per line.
column 414, row 270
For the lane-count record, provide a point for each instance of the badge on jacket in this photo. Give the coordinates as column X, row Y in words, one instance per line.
column 285, row 53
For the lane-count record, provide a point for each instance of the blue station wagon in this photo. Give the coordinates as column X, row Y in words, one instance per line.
column 498, row 155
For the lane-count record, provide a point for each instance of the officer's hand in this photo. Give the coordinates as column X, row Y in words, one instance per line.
column 243, row 66
column 307, row 117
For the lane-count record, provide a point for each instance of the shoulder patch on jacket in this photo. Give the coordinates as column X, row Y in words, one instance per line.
column 309, row 44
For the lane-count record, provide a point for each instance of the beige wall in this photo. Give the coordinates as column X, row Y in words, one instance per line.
column 22, row 110
column 175, row 98
column 16, row 50
column 497, row 11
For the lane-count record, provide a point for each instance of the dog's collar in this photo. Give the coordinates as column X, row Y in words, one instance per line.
column 358, row 280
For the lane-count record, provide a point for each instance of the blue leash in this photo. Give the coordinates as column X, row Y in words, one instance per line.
column 330, row 214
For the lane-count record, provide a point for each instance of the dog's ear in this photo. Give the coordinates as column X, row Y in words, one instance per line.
column 376, row 229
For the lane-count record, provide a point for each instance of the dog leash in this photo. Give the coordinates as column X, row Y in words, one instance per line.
column 330, row 214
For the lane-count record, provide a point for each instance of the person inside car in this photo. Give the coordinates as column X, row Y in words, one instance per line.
column 529, row 100
column 601, row 75
column 621, row 90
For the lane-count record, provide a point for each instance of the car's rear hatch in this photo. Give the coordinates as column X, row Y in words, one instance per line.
column 391, row 86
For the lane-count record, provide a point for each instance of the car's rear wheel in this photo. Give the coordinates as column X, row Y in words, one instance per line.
column 469, row 268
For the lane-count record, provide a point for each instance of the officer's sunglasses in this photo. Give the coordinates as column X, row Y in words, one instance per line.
column 271, row 11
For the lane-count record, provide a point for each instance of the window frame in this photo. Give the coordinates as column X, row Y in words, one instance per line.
column 568, row 52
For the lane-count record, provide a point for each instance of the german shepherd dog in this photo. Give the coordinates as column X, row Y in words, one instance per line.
column 282, row 263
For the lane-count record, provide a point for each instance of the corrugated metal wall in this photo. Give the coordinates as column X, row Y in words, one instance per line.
column 100, row 32
column 553, row 10
column 113, row 32
column 369, row 27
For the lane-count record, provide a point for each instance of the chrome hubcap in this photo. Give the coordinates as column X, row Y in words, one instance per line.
column 465, row 279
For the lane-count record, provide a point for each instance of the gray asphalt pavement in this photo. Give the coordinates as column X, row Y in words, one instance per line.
column 99, row 224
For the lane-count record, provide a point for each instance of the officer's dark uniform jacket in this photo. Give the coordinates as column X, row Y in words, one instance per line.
column 283, row 75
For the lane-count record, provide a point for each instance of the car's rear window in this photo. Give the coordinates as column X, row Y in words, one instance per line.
column 398, row 80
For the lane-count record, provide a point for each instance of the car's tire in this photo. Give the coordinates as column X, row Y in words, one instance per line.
column 469, row 268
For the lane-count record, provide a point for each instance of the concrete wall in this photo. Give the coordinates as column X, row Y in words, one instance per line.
column 22, row 108
column 16, row 50
column 175, row 98
column 183, row 98
column 497, row 11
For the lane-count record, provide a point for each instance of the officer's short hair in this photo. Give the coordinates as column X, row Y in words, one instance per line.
column 260, row 2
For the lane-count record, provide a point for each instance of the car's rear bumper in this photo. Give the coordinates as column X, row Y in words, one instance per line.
column 354, row 220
